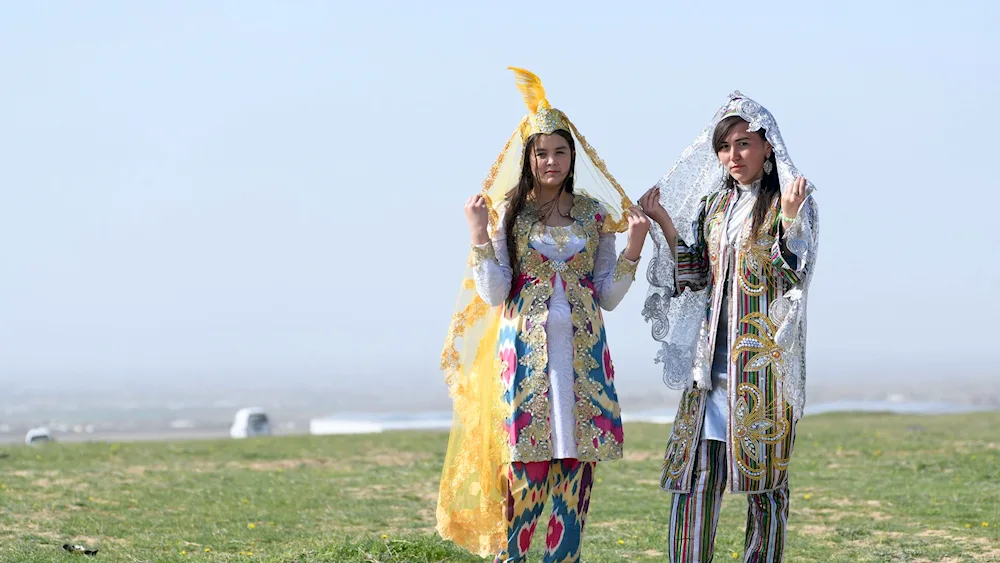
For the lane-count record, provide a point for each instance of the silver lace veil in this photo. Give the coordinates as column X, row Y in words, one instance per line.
column 677, row 320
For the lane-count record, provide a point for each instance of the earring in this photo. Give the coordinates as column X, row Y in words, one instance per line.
column 768, row 167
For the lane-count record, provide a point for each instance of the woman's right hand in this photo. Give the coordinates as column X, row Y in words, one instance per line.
column 479, row 219
column 650, row 204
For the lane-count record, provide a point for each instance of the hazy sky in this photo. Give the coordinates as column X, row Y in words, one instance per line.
column 194, row 189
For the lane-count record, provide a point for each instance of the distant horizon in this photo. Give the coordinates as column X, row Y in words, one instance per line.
column 341, row 378
column 899, row 380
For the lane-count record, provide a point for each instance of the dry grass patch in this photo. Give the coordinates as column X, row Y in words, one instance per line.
column 640, row 455
column 281, row 464
column 813, row 529
column 141, row 470
column 393, row 458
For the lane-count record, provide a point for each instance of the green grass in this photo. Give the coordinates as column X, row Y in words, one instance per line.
column 865, row 488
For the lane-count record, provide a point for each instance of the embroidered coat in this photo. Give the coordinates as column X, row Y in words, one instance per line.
column 767, row 275
column 589, row 279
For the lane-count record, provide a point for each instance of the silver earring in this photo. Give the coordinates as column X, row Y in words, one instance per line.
column 768, row 167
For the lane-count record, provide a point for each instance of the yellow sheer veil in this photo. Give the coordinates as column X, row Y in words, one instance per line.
column 474, row 480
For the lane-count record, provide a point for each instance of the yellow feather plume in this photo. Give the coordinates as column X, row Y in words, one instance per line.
column 531, row 88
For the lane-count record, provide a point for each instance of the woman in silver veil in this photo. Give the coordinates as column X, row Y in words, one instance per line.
column 735, row 227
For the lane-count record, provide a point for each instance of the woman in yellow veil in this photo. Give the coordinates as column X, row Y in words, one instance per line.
column 526, row 359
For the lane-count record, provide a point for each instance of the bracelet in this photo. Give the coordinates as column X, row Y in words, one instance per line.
column 786, row 218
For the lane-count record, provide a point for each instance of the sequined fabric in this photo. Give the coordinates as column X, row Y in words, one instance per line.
column 761, row 413
column 677, row 318
column 526, row 345
column 557, row 261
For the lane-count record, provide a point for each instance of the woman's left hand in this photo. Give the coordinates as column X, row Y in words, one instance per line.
column 793, row 197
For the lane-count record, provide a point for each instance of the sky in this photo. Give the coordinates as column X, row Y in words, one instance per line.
column 210, row 192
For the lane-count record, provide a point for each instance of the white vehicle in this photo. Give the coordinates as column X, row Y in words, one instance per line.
column 249, row 422
column 38, row 436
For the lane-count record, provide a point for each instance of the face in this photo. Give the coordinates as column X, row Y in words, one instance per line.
column 743, row 153
column 551, row 158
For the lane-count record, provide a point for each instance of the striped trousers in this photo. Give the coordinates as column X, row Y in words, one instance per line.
column 694, row 516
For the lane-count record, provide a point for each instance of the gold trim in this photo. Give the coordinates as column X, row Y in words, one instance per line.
column 621, row 225
column 494, row 217
column 532, row 443
column 682, row 435
column 482, row 253
column 753, row 431
column 765, row 350
column 624, row 268
column 460, row 321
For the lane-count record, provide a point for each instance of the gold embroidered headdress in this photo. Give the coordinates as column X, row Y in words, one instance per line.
column 591, row 176
column 473, row 481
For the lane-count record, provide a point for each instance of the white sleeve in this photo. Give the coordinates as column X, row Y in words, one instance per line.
column 613, row 273
column 491, row 268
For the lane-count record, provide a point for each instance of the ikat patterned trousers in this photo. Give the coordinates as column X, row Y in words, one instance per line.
column 568, row 483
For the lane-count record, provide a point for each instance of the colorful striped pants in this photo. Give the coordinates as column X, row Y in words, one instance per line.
column 695, row 515
column 568, row 482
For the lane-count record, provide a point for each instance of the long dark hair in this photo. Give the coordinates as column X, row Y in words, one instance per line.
column 769, row 184
column 519, row 195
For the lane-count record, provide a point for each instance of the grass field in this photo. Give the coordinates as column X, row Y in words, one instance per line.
column 866, row 488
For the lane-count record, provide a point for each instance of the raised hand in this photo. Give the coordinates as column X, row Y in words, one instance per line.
column 650, row 203
column 479, row 218
column 792, row 199
column 638, row 227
